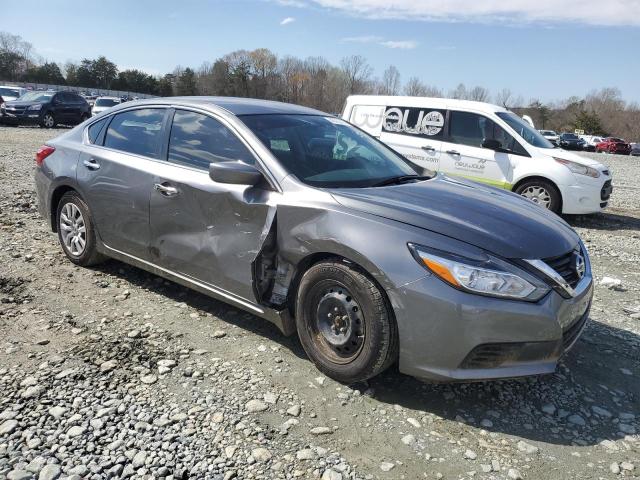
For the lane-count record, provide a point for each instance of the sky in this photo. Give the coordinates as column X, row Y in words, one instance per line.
column 542, row 49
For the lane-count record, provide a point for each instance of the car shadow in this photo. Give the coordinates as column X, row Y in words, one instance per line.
column 543, row 408
column 604, row 221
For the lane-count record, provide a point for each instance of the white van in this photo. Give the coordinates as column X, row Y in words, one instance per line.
column 485, row 143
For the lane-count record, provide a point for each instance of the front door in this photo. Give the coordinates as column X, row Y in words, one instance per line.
column 118, row 170
column 463, row 154
column 200, row 229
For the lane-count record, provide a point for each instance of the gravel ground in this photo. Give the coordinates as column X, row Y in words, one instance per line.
column 115, row 373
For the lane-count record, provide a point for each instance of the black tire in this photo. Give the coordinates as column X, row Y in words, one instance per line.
column 83, row 118
column 89, row 255
column 45, row 123
column 369, row 314
column 555, row 199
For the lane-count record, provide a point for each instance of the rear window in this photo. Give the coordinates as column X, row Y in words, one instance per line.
column 136, row 131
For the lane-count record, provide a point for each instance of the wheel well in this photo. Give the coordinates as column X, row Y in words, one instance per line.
column 537, row 177
column 305, row 264
column 55, row 199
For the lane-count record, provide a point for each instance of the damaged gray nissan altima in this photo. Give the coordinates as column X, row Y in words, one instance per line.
column 310, row 223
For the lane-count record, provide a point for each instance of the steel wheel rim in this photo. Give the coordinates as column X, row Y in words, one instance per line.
column 48, row 120
column 338, row 325
column 73, row 229
column 538, row 195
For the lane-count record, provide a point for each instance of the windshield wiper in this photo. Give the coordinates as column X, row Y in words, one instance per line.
column 400, row 179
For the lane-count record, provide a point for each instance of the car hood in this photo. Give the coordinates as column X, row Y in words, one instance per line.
column 497, row 221
column 18, row 103
column 572, row 157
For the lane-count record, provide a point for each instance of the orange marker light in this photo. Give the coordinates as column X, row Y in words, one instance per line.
column 441, row 271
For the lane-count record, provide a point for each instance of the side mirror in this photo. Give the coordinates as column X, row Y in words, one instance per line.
column 236, row 173
column 492, row 144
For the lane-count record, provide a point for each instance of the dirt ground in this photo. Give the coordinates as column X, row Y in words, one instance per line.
column 85, row 393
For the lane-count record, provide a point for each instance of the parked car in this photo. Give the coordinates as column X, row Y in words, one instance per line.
column 308, row 222
column 590, row 142
column 46, row 109
column 550, row 135
column 635, row 149
column 103, row 103
column 11, row 93
column 613, row 145
column 484, row 143
column 570, row 141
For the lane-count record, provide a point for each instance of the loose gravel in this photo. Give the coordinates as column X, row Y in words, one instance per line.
column 112, row 372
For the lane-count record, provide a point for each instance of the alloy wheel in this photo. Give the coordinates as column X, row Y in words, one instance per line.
column 73, row 229
column 537, row 194
column 48, row 120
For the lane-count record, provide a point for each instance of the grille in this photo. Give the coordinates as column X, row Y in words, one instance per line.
column 491, row 355
column 564, row 266
column 15, row 109
column 570, row 334
column 605, row 193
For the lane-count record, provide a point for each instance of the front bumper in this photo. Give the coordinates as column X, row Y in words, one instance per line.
column 586, row 197
column 25, row 117
column 449, row 335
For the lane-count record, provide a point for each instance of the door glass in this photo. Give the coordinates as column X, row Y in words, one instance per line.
column 136, row 131
column 95, row 129
column 197, row 140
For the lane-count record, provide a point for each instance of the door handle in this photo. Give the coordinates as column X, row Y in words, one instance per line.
column 453, row 152
column 91, row 164
column 428, row 148
column 166, row 190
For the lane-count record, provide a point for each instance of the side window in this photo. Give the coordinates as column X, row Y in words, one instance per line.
column 422, row 122
column 95, row 129
column 197, row 140
column 472, row 129
column 136, row 131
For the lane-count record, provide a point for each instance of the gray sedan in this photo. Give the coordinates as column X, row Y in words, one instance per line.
column 308, row 222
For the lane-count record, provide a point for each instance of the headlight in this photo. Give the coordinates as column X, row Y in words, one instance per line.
column 37, row 106
column 578, row 168
column 492, row 277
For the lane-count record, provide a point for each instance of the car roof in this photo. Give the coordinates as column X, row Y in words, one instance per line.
column 233, row 105
column 425, row 102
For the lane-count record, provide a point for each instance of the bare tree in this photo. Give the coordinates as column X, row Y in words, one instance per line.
column 460, row 92
column 479, row 94
column 357, row 72
column 390, row 81
column 415, row 88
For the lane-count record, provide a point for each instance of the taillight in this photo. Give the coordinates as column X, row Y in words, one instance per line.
column 43, row 152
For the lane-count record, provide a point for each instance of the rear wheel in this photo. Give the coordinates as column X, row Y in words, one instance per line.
column 75, row 231
column 541, row 192
column 344, row 323
column 48, row 120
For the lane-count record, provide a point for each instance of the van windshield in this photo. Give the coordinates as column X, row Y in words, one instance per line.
column 526, row 131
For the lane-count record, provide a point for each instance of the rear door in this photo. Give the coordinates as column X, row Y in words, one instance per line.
column 206, row 231
column 416, row 133
column 117, row 172
column 463, row 154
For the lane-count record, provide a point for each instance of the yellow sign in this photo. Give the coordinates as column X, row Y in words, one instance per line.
column 579, row 132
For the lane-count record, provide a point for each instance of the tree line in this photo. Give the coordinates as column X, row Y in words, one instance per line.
column 313, row 82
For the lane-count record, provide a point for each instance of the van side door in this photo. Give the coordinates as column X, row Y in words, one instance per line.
column 463, row 154
column 416, row 133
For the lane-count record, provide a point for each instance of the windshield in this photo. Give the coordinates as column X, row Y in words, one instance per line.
column 327, row 151
column 36, row 97
column 570, row 136
column 526, row 131
column 617, row 140
column 106, row 102
column 9, row 92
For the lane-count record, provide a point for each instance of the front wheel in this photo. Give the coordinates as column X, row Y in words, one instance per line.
column 345, row 323
column 48, row 120
column 542, row 193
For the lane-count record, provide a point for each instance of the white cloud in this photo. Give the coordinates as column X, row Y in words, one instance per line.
column 287, row 21
column 402, row 44
column 292, row 3
column 590, row 12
